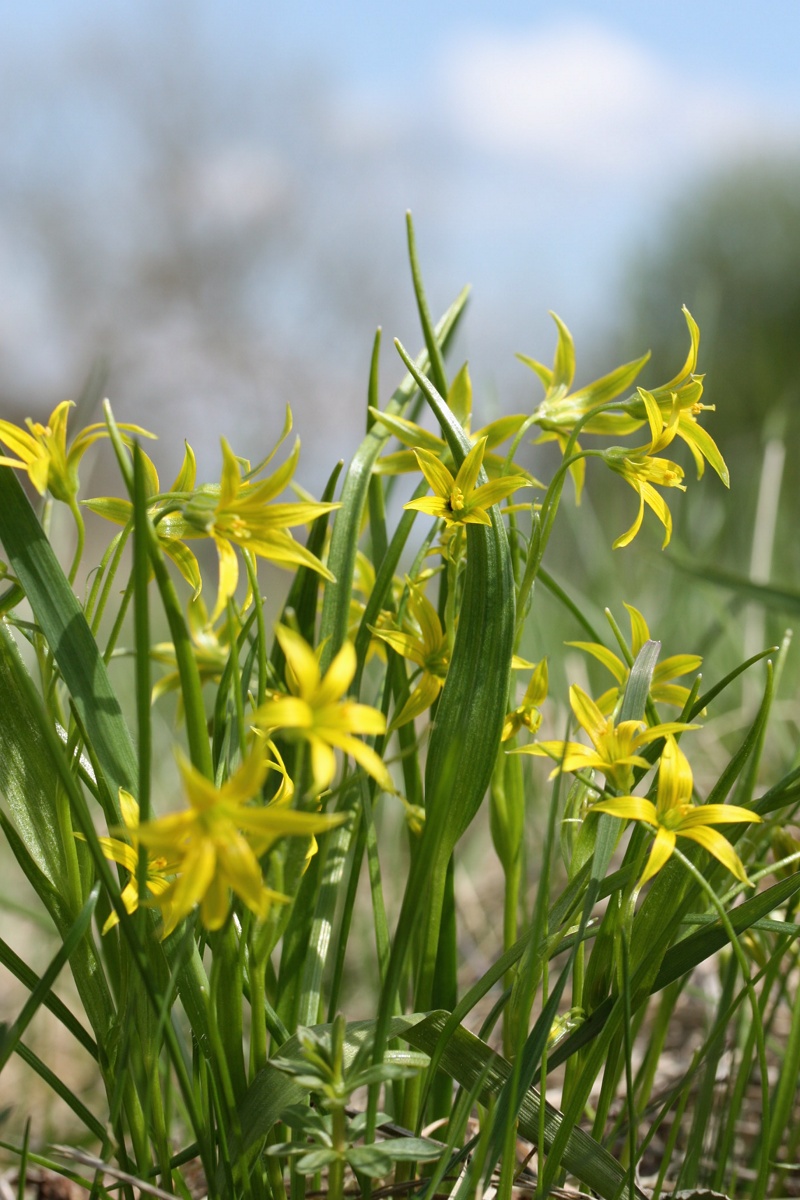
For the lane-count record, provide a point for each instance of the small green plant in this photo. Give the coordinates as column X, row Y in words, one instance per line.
column 211, row 916
column 321, row 1065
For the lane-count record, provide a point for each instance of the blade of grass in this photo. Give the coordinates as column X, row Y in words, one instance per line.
column 29, row 979
column 57, row 1085
column 63, row 624
column 13, row 1033
column 681, row 959
column 347, row 524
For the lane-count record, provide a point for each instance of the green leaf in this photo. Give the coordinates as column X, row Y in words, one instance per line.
column 61, row 620
column 411, row 1149
column 637, row 688
column 681, row 959
column 28, row 779
column 59, row 1088
column 315, row 1160
column 373, row 1160
column 15, row 965
column 348, row 520
column 472, row 705
column 12, row 1035
column 468, row 1059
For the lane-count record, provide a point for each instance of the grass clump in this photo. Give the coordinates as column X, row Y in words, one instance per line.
column 212, row 945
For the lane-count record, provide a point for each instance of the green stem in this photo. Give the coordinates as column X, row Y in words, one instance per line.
column 80, row 529
column 109, row 565
column 258, row 1023
column 760, row 1188
column 119, row 621
column 226, row 999
column 236, row 678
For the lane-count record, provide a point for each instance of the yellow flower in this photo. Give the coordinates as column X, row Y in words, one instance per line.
column 424, row 644
column 527, row 715
column 238, row 513
column 42, row 451
column 363, row 586
column 642, row 469
column 673, row 815
column 700, row 442
column 683, row 393
column 316, row 712
column 169, row 525
column 662, row 689
column 458, row 501
column 211, row 652
column 216, row 844
column 615, row 748
column 160, row 868
column 459, row 401
column 561, row 409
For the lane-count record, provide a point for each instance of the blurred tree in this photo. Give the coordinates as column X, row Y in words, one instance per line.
column 207, row 231
column 731, row 253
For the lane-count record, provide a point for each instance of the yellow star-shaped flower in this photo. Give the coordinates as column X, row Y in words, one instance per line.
column 458, row 500
column 238, row 514
column 316, row 711
column 615, row 747
column 674, row 815
column 644, row 470
column 662, row 689
column 170, row 526
column 527, row 715
column 215, row 845
column 160, row 868
column 423, row 642
column 42, row 451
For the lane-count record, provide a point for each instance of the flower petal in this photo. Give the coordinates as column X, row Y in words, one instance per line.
column 228, row 574
column 628, row 808
column 301, row 660
column 717, row 814
column 720, row 847
column 338, row 677
column 420, row 699
column 439, row 478
column 660, row 853
column 587, row 714
column 470, row 469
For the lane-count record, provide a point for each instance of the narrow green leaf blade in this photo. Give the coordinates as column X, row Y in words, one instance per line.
column 61, row 620
column 12, row 1035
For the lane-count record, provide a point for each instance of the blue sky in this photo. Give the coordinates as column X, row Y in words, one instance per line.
column 537, row 145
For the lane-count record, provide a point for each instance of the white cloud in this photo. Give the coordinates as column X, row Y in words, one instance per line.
column 581, row 98
column 238, row 184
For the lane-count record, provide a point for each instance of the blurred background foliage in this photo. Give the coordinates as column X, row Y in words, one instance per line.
column 731, row 252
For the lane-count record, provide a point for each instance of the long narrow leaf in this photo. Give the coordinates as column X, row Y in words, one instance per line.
column 29, row 979
column 61, row 620
column 347, row 525
column 28, row 780
column 13, row 1034
column 681, row 959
